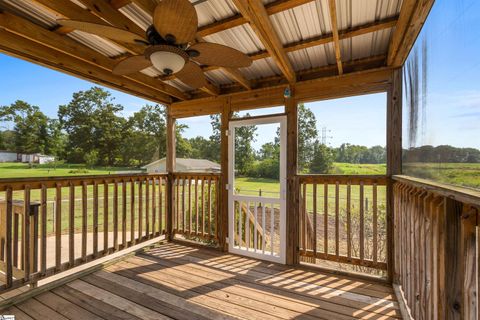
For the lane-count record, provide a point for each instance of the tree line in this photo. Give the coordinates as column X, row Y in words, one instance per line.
column 90, row 129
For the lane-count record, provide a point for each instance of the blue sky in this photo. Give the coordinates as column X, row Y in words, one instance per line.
column 453, row 101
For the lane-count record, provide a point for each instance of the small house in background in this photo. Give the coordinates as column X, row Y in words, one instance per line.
column 8, row 156
column 36, row 158
column 183, row 165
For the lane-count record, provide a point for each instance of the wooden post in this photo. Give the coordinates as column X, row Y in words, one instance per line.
column 170, row 167
column 292, row 222
column 394, row 160
column 222, row 219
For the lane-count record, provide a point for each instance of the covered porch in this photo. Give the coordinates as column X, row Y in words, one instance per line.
column 415, row 249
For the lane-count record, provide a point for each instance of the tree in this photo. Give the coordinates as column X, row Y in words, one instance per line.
column 92, row 124
column 322, row 158
column 145, row 136
column 31, row 126
column 244, row 152
column 307, row 135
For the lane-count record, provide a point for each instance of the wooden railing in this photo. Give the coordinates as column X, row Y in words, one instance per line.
column 195, row 206
column 60, row 223
column 343, row 219
column 436, row 249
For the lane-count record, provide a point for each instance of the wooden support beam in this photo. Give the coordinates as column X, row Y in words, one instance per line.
column 34, row 52
column 238, row 19
column 410, row 22
column 67, row 9
column 327, row 38
column 336, row 40
column 357, row 83
column 257, row 16
column 236, row 75
column 211, row 89
column 292, row 254
column 226, row 114
column 394, row 162
column 170, row 167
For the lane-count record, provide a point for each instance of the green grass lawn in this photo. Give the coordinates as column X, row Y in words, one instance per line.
column 23, row 170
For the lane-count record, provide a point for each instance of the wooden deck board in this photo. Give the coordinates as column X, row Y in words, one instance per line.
column 174, row 281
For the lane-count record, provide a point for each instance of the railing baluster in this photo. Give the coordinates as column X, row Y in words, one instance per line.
column 140, row 210
column 263, row 228
column 115, row 215
column 177, row 206
column 196, row 206
column 15, row 235
column 8, row 238
column 304, row 219
column 184, row 213
column 375, row 222
column 43, row 210
column 95, row 219
column 362, row 223
column 84, row 220
column 58, row 227
column 71, row 227
column 337, row 219
column 160, row 207
column 124, row 213
column 349, row 221
column 154, row 207
column 255, row 229
column 203, row 207
column 27, row 234
column 240, row 231
column 209, row 204
column 189, row 205
column 315, row 220
column 325, row 220
column 132, row 212
column 272, row 227
column 105, row 217
column 147, row 207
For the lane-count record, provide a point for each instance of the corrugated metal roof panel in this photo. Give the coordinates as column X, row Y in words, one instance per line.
column 242, row 38
column 33, row 12
column 353, row 13
column 214, row 10
column 302, row 22
column 218, row 76
column 105, row 47
column 137, row 15
column 366, row 45
column 260, row 69
column 312, row 57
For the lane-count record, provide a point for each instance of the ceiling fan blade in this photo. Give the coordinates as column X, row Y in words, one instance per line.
column 214, row 54
column 104, row 30
column 131, row 65
column 192, row 75
column 176, row 18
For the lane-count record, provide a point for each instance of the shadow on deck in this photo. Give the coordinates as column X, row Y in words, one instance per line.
column 181, row 282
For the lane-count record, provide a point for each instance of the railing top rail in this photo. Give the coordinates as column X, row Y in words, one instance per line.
column 461, row 194
column 343, row 179
column 196, row 174
column 37, row 183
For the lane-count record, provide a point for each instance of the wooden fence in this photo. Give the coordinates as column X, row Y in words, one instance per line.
column 195, row 209
column 436, row 249
column 343, row 219
column 93, row 216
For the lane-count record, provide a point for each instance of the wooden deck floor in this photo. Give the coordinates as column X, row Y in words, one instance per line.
column 180, row 282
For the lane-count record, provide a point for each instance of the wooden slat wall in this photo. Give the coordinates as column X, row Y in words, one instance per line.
column 38, row 213
column 436, row 258
column 326, row 220
column 196, row 209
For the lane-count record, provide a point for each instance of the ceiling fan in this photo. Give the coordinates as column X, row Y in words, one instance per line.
column 170, row 44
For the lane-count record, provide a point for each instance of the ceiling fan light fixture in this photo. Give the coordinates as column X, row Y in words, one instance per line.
column 167, row 62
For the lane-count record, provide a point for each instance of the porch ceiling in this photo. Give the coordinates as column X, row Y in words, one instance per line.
column 290, row 41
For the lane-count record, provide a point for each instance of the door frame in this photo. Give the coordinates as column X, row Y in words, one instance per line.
column 234, row 123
